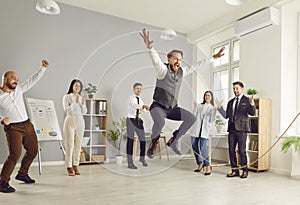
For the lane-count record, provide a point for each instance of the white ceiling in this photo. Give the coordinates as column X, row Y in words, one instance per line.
column 189, row 16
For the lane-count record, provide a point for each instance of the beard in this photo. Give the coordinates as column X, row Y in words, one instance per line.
column 11, row 86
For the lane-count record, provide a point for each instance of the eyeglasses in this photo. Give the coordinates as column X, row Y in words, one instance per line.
column 177, row 59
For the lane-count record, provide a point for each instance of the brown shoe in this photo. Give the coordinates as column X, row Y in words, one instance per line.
column 70, row 171
column 75, row 168
column 151, row 150
column 233, row 174
column 244, row 175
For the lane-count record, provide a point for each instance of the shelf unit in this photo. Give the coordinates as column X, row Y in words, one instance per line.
column 95, row 133
column 258, row 140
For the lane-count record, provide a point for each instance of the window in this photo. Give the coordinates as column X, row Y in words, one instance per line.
column 227, row 69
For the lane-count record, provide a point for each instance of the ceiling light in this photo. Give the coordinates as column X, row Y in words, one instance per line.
column 47, row 7
column 168, row 34
column 235, row 2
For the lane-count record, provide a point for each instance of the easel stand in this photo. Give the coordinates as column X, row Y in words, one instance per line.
column 40, row 155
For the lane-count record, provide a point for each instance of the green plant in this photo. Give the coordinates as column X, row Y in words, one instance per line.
column 289, row 142
column 91, row 89
column 251, row 91
column 118, row 132
column 219, row 121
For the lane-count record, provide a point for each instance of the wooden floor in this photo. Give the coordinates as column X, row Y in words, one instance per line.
column 175, row 183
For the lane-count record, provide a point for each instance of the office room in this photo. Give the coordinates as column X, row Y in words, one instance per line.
column 123, row 51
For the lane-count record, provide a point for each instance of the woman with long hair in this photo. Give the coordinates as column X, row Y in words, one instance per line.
column 205, row 113
column 74, row 107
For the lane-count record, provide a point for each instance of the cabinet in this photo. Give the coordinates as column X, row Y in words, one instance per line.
column 95, row 133
column 258, row 140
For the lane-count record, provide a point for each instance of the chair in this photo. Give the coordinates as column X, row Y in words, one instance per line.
column 159, row 148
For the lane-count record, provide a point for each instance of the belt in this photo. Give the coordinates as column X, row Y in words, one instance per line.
column 21, row 123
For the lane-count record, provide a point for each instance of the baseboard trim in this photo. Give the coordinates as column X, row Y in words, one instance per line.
column 36, row 164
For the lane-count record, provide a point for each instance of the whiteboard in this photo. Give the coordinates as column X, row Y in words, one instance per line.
column 42, row 114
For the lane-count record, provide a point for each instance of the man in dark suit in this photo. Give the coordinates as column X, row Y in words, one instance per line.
column 238, row 110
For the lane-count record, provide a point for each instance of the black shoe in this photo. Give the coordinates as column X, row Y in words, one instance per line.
column 233, row 174
column 6, row 188
column 173, row 143
column 144, row 163
column 131, row 166
column 151, row 150
column 25, row 178
column 244, row 175
column 200, row 167
column 208, row 173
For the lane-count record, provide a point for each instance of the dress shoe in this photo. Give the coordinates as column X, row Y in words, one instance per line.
column 25, row 178
column 200, row 167
column 75, row 168
column 151, row 150
column 208, row 173
column 233, row 174
column 144, row 163
column 173, row 143
column 244, row 175
column 70, row 171
column 131, row 166
column 6, row 188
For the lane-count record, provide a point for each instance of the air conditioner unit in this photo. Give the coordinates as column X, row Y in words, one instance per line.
column 256, row 21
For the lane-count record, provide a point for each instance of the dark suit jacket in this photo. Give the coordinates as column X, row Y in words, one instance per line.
column 241, row 121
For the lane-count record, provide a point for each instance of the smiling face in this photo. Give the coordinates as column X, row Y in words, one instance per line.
column 137, row 90
column 76, row 87
column 174, row 60
column 237, row 90
column 10, row 80
column 208, row 97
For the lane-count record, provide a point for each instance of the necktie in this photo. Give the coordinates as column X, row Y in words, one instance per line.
column 137, row 110
column 235, row 107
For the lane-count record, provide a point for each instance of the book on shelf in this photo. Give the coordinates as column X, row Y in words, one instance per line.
column 102, row 107
column 254, row 145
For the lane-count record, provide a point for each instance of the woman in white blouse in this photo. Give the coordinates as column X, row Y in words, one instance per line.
column 74, row 107
column 205, row 114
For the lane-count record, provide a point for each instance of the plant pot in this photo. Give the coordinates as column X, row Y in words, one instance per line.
column 90, row 96
column 119, row 159
column 219, row 129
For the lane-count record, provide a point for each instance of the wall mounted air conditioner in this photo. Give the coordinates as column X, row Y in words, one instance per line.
column 256, row 21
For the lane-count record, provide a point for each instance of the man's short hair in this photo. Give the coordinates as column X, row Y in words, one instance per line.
column 170, row 54
column 137, row 84
column 238, row 83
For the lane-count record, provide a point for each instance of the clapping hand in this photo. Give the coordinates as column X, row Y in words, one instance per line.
column 195, row 104
column 219, row 103
column 146, row 107
column 251, row 99
column 145, row 36
column 84, row 98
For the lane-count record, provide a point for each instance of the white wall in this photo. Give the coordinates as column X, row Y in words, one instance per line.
column 78, row 43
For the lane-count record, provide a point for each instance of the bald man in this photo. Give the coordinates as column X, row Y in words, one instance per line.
column 19, row 130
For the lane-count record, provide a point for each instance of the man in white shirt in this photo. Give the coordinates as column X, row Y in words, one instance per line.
column 168, row 82
column 134, row 123
column 19, row 130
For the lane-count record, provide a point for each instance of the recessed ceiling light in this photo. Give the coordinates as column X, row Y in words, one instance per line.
column 235, row 2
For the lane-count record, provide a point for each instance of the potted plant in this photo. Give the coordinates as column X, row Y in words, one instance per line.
column 90, row 90
column 251, row 91
column 289, row 142
column 116, row 135
column 219, row 123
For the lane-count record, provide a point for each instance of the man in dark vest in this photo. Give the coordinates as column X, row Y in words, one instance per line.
column 168, row 82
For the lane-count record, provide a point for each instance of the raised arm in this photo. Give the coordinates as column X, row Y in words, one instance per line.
column 25, row 86
column 200, row 64
column 160, row 67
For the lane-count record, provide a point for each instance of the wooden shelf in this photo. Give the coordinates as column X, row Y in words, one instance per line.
column 95, row 150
